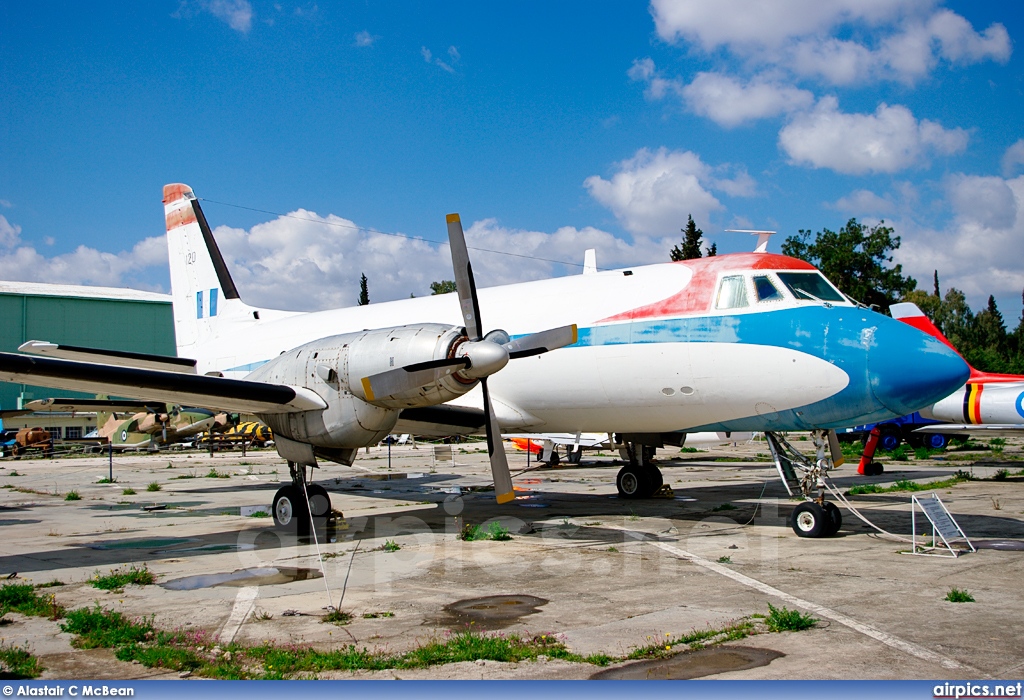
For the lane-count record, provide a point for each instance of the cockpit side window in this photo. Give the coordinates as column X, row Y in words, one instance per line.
column 810, row 286
column 732, row 293
column 766, row 291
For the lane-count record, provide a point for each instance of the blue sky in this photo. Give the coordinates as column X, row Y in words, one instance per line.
column 552, row 127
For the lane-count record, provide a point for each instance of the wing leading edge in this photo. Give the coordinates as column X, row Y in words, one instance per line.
column 233, row 395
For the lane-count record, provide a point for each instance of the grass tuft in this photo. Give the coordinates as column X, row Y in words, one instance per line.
column 119, row 578
column 17, row 664
column 99, row 628
column 22, row 598
column 498, row 532
column 214, row 474
column 337, row 617
column 259, row 514
column 959, row 595
column 786, row 620
column 72, row 496
column 908, row 485
column 154, row 486
column 128, row 492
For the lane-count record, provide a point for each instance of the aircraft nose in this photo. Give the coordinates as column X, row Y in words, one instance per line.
column 909, row 369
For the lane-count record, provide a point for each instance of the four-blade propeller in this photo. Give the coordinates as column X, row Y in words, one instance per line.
column 477, row 358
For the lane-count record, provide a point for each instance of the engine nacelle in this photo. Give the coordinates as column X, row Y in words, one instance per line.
column 334, row 367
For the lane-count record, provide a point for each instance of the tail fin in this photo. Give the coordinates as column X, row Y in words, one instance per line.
column 912, row 315
column 203, row 293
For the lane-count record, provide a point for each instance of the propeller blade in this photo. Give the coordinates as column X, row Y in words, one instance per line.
column 464, row 283
column 496, row 451
column 537, row 343
column 410, row 377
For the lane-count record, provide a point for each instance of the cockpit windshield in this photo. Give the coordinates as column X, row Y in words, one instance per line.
column 810, row 286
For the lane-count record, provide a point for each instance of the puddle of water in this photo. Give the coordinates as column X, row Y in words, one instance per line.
column 692, row 664
column 491, row 612
column 244, row 547
column 141, row 544
column 1002, row 545
column 261, row 576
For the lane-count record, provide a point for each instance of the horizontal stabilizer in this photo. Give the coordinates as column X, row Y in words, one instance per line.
column 109, row 357
column 232, row 395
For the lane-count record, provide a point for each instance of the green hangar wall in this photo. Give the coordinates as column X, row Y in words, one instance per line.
column 95, row 317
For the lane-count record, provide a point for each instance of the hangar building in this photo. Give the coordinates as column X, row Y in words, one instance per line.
column 95, row 317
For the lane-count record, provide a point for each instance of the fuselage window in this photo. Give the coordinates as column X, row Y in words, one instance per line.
column 732, row 293
column 766, row 291
column 810, row 286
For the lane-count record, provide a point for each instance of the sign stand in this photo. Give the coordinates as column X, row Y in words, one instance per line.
column 943, row 526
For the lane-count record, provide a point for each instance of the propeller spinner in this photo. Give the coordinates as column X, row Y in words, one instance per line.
column 477, row 358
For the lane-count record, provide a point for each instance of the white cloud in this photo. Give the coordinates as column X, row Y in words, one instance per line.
column 887, row 141
column 9, row 233
column 5, row 204
column 1013, row 158
column 364, row 38
column 237, row 13
column 21, row 262
column 980, row 251
column 982, row 202
column 892, row 39
column 453, row 55
column 653, row 192
column 728, row 102
column 864, row 203
column 304, row 261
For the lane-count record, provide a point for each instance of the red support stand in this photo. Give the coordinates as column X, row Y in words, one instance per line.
column 869, row 451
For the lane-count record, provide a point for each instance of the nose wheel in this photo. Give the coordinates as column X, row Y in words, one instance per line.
column 804, row 476
column 812, row 519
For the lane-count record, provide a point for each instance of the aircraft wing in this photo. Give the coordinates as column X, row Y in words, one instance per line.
column 989, row 429
column 233, row 395
column 109, row 357
column 440, row 421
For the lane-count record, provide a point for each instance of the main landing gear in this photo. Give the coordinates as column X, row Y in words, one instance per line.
column 815, row 517
column 639, row 478
column 292, row 510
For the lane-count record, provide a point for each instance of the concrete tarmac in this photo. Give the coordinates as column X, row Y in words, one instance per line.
column 605, row 574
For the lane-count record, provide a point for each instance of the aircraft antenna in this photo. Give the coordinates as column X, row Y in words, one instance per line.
column 762, row 237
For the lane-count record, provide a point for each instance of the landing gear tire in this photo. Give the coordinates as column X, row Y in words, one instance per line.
column 633, row 482
column 319, row 501
column 936, row 441
column 574, row 457
column 810, row 520
column 890, row 438
column 289, row 509
column 655, row 479
column 874, row 469
column 835, row 519
column 554, row 459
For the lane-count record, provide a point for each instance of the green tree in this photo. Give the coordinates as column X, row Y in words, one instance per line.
column 856, row 259
column 442, row 287
column 690, row 248
column 935, row 281
column 364, row 292
column 712, row 250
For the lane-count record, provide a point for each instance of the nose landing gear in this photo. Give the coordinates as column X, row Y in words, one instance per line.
column 815, row 517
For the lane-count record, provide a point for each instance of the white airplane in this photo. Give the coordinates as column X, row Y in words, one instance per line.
column 741, row 342
column 989, row 404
